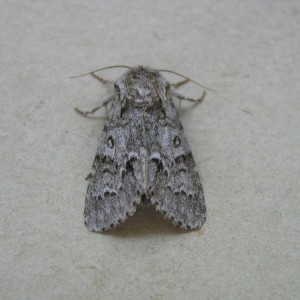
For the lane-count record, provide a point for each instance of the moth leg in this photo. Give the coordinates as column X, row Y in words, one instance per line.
column 180, row 83
column 104, row 104
column 180, row 97
column 102, row 80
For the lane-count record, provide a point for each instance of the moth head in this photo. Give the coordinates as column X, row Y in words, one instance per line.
column 141, row 87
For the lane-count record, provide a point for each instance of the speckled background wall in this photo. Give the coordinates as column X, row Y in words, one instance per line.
column 245, row 139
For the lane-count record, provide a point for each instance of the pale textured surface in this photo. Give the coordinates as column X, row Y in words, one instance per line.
column 245, row 140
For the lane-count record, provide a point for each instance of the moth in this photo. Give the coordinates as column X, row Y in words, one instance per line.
column 143, row 156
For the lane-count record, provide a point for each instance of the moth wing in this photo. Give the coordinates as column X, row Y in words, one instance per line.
column 111, row 195
column 177, row 191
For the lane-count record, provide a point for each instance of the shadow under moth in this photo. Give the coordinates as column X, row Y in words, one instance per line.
column 143, row 156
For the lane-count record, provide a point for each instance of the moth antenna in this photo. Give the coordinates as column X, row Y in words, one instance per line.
column 191, row 80
column 105, row 68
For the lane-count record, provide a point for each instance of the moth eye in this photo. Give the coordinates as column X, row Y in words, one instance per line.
column 110, row 142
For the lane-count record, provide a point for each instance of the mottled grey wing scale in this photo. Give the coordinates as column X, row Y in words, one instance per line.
column 108, row 202
column 118, row 182
column 178, row 192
